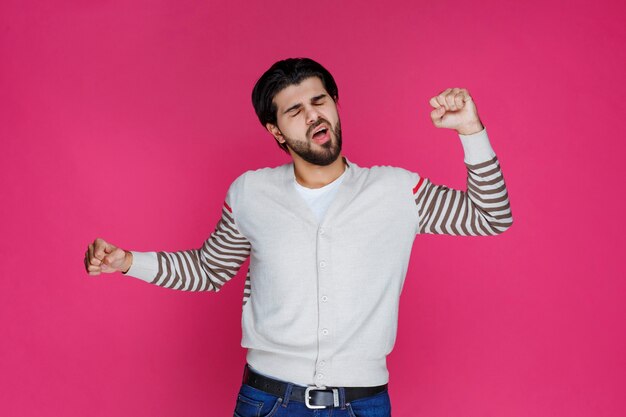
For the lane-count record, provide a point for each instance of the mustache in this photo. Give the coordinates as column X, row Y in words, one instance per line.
column 316, row 124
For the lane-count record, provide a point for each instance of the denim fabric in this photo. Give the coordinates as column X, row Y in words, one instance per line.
column 252, row 402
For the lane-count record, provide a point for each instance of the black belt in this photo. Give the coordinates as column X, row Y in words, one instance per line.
column 312, row 396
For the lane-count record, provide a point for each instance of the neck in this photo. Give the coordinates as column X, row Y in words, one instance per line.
column 315, row 176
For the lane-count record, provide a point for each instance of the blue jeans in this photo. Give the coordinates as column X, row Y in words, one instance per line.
column 252, row 402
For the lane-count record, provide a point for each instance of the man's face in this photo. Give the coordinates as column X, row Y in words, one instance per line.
column 308, row 122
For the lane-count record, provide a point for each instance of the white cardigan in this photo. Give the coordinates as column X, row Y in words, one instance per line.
column 321, row 300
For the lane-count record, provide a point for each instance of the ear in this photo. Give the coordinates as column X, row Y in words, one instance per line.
column 275, row 131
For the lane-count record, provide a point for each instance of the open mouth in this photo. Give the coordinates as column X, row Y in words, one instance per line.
column 321, row 136
column 320, row 133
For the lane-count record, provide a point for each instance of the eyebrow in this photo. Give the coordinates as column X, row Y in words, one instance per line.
column 299, row 105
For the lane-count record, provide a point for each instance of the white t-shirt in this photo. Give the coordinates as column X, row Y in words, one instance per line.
column 319, row 199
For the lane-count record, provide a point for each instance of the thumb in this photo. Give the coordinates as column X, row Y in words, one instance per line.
column 102, row 248
column 437, row 114
column 113, row 261
column 106, row 263
column 109, row 248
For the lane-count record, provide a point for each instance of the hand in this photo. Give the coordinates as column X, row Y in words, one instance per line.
column 455, row 109
column 102, row 256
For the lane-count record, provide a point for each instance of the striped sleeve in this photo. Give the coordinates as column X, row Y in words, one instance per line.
column 482, row 210
column 205, row 269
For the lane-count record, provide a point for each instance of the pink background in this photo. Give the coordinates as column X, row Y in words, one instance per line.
column 128, row 121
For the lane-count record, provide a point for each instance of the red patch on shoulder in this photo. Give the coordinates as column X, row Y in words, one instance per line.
column 417, row 187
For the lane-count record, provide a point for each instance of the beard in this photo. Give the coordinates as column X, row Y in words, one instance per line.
column 324, row 154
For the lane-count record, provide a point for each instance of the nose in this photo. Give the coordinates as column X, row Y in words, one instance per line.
column 311, row 115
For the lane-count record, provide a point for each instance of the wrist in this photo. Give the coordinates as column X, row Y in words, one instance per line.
column 128, row 261
column 470, row 129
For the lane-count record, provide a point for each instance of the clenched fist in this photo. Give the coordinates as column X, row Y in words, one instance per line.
column 102, row 256
column 455, row 109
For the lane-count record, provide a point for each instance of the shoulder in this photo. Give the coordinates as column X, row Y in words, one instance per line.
column 258, row 179
column 388, row 182
column 388, row 174
column 261, row 175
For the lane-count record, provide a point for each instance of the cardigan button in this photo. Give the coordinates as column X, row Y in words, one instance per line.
column 322, row 264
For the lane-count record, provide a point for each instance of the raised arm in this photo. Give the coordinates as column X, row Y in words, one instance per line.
column 484, row 208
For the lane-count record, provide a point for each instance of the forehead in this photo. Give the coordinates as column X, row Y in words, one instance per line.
column 299, row 93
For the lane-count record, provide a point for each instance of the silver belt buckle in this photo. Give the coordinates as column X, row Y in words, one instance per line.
column 314, row 388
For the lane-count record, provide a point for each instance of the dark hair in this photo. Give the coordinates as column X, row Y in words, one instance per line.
column 282, row 74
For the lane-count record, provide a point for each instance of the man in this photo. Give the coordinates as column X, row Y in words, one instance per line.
column 329, row 244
